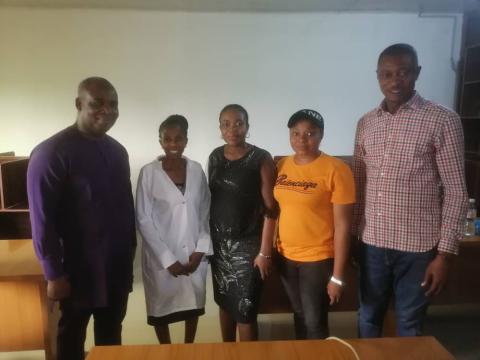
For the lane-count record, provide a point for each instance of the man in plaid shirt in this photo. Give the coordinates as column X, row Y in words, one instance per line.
column 409, row 172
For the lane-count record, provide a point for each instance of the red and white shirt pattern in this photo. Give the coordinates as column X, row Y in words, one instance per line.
column 409, row 174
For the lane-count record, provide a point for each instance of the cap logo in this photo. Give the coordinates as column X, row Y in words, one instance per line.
column 312, row 113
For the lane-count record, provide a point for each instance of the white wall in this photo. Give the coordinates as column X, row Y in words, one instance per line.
column 194, row 64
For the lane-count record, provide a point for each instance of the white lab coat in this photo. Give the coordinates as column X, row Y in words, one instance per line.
column 173, row 225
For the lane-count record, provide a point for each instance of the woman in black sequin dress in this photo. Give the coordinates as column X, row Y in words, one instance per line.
column 242, row 222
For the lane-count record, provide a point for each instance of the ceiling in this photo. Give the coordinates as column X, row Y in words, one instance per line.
column 418, row 6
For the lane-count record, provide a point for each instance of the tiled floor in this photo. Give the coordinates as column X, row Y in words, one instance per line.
column 456, row 327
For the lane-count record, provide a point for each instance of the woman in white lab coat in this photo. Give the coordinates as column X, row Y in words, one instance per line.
column 172, row 211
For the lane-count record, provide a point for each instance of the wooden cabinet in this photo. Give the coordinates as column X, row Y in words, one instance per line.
column 28, row 320
column 27, row 323
column 14, row 214
column 469, row 101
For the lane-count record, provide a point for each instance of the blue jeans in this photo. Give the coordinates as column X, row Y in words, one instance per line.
column 386, row 272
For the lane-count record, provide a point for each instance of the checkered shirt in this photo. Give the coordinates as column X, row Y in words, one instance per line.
column 409, row 174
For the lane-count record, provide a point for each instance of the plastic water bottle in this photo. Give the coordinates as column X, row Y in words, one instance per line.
column 471, row 216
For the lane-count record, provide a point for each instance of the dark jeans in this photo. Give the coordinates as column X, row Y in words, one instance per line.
column 386, row 272
column 73, row 322
column 306, row 287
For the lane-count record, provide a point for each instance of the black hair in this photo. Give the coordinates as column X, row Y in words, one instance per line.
column 235, row 107
column 174, row 121
column 400, row 49
column 95, row 81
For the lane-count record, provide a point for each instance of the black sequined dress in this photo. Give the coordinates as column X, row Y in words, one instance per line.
column 236, row 221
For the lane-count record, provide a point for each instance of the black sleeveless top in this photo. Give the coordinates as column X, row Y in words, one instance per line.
column 237, row 204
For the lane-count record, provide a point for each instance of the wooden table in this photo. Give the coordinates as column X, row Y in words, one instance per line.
column 420, row 348
column 25, row 322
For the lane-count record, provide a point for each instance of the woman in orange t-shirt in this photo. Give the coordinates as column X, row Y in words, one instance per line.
column 316, row 193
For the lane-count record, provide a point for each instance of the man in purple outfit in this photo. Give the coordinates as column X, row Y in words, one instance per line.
column 82, row 215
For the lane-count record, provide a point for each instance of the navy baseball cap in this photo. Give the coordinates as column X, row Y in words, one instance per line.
column 306, row 114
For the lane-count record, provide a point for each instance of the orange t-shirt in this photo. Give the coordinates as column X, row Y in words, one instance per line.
column 306, row 194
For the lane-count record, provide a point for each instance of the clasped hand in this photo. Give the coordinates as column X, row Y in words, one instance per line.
column 177, row 269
